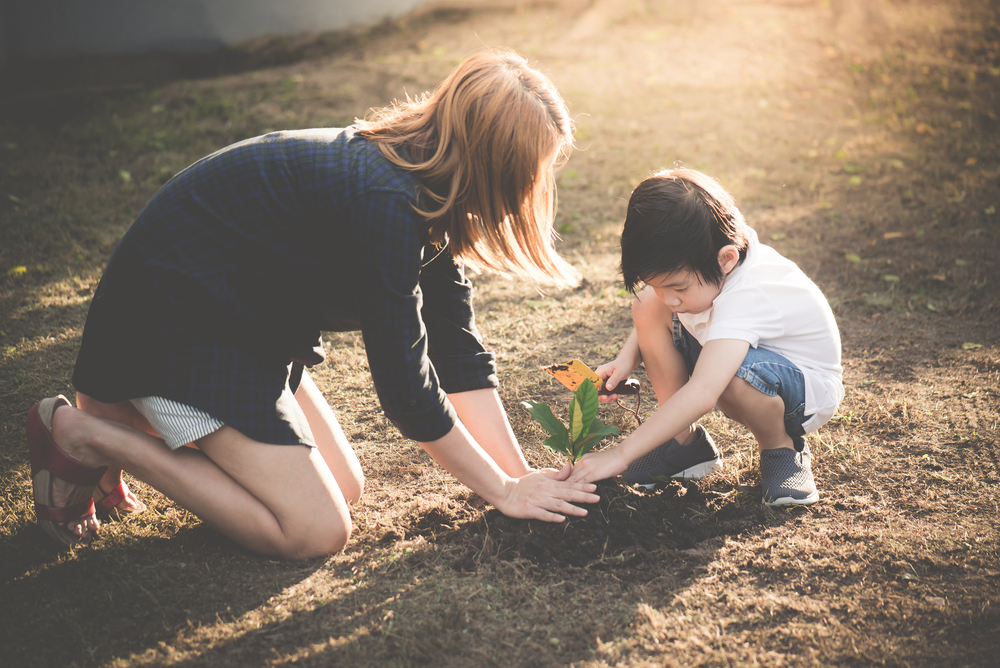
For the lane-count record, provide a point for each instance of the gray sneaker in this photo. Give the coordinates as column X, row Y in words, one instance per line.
column 786, row 478
column 693, row 461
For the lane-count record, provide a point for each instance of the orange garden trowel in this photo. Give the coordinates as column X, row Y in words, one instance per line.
column 574, row 372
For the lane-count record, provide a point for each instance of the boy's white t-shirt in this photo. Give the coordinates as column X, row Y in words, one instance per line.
column 770, row 303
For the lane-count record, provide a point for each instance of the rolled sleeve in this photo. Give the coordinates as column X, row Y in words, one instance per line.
column 455, row 346
column 391, row 324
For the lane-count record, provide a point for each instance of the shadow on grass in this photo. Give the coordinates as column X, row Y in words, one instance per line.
column 416, row 595
column 99, row 604
column 426, row 591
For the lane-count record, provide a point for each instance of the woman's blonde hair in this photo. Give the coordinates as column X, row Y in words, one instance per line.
column 484, row 143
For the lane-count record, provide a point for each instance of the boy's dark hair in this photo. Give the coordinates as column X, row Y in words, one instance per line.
column 679, row 219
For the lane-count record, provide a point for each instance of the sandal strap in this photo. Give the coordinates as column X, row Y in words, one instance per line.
column 112, row 498
column 77, row 511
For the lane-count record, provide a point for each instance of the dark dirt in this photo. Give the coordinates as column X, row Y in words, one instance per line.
column 620, row 531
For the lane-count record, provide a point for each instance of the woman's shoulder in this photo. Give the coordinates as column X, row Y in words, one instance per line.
column 341, row 155
column 310, row 144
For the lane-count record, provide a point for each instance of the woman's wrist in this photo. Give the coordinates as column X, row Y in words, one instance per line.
column 520, row 471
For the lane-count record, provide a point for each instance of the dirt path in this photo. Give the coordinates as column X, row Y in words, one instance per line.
column 860, row 139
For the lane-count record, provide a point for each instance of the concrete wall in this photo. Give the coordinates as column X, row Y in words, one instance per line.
column 47, row 28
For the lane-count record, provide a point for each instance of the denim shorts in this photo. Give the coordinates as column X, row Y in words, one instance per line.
column 767, row 371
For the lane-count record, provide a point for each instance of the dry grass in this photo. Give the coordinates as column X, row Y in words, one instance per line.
column 875, row 168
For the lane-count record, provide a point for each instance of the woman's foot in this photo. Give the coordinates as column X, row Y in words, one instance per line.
column 113, row 497
column 63, row 475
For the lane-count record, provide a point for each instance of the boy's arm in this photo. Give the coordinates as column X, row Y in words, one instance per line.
column 716, row 368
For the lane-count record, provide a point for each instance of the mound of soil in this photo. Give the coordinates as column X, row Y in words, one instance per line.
column 622, row 529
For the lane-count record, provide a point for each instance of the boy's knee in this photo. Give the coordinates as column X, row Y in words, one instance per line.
column 743, row 399
column 646, row 309
column 738, row 389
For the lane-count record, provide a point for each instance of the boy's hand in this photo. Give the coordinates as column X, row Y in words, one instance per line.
column 595, row 466
column 611, row 374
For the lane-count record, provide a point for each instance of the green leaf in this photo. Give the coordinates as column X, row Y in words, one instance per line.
column 586, row 445
column 559, row 443
column 602, row 429
column 582, row 411
column 543, row 415
column 598, row 432
column 586, row 429
column 576, row 419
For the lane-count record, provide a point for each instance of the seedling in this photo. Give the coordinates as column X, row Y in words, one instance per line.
column 574, row 373
column 584, row 431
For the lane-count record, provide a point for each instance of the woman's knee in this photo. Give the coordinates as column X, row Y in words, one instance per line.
column 353, row 486
column 347, row 471
column 317, row 542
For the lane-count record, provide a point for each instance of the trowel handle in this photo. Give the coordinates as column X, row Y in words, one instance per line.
column 630, row 386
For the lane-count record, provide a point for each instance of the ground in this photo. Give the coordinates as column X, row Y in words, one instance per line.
column 859, row 138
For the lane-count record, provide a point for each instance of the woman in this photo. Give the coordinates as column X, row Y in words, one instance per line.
column 213, row 302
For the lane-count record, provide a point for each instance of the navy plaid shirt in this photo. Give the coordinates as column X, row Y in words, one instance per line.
column 236, row 265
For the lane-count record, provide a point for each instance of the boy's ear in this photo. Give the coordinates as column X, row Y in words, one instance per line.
column 729, row 257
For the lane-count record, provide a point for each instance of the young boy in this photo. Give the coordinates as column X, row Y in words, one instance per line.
column 722, row 320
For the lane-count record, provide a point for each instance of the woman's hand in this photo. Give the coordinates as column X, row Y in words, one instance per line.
column 497, row 470
column 546, row 495
column 595, row 466
column 558, row 474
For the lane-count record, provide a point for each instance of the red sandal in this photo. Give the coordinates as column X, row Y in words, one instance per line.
column 48, row 463
column 107, row 502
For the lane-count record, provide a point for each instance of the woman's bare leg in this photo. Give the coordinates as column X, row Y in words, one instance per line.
column 125, row 413
column 665, row 366
column 331, row 440
column 276, row 500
